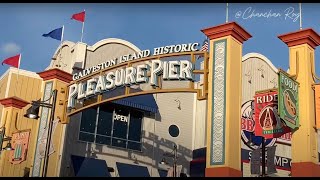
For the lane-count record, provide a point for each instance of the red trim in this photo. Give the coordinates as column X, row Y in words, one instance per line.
column 226, row 29
column 245, row 161
column 305, row 36
column 222, row 172
column 198, row 160
column 279, row 142
column 305, row 169
column 13, row 102
column 55, row 74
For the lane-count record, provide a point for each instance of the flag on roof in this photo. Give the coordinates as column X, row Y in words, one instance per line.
column 55, row 34
column 79, row 16
column 205, row 45
column 12, row 61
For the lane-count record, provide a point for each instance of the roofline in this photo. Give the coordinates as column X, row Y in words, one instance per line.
column 262, row 57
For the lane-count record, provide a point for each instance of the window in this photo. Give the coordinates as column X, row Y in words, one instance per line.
column 104, row 127
column 120, row 123
column 115, row 126
column 135, row 127
column 88, row 125
column 173, row 130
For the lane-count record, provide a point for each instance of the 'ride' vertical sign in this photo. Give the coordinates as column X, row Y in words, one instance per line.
column 267, row 121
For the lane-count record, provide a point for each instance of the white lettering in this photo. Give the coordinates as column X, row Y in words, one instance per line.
column 141, row 73
column 90, row 87
column 110, row 81
column 170, row 70
column 75, row 76
column 165, row 75
column 186, row 70
column 173, row 70
column 81, row 90
column 122, row 118
column 101, row 84
column 193, row 46
column 119, row 77
column 156, row 70
column 73, row 91
column 156, row 51
column 130, row 76
column 141, row 54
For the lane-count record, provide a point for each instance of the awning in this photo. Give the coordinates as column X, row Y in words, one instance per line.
column 89, row 167
column 129, row 170
column 144, row 102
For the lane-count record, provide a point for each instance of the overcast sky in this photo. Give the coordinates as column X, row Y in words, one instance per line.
column 147, row 26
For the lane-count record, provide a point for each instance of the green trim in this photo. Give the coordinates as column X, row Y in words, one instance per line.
column 224, row 110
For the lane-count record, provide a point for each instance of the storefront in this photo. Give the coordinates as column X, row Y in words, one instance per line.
column 125, row 112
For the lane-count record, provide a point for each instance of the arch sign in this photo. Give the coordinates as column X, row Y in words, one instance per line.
column 168, row 63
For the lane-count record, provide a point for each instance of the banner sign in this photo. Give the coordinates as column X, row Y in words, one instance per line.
column 42, row 145
column 248, row 127
column 271, row 166
column 255, row 161
column 20, row 142
column 288, row 100
column 267, row 121
column 282, row 163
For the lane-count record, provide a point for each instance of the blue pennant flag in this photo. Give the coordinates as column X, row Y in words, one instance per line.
column 55, row 34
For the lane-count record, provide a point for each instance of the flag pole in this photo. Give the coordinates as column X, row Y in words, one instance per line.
column 227, row 13
column 60, row 50
column 19, row 61
column 82, row 27
column 15, row 90
column 300, row 16
column 62, row 34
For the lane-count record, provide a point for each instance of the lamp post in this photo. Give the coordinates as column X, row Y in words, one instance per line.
column 8, row 146
column 32, row 113
column 263, row 154
column 175, row 157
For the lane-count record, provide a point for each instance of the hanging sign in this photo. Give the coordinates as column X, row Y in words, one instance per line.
column 267, row 121
column 44, row 138
column 20, row 142
column 288, row 100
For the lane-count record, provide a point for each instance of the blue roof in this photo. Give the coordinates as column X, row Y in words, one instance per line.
column 144, row 102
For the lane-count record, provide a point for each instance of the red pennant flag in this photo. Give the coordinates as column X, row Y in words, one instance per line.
column 79, row 16
column 12, row 61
